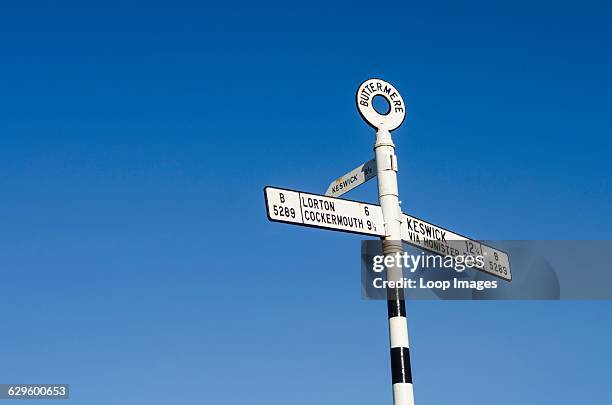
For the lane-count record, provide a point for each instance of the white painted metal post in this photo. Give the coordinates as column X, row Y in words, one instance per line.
column 386, row 166
column 401, row 374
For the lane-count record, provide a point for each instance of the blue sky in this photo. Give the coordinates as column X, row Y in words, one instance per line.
column 136, row 138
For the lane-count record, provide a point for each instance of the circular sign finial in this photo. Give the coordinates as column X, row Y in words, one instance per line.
column 365, row 96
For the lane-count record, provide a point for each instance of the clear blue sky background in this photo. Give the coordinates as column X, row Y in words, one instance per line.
column 136, row 260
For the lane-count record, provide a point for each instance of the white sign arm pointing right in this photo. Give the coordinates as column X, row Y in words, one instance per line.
column 352, row 179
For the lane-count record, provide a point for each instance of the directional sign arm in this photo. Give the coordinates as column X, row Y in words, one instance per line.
column 439, row 240
column 320, row 211
column 352, row 179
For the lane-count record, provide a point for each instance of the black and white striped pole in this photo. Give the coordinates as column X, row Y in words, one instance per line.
column 386, row 167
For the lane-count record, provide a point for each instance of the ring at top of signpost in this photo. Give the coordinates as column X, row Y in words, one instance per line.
column 366, row 93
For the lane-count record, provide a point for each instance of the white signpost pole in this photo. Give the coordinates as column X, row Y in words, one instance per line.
column 385, row 221
column 386, row 167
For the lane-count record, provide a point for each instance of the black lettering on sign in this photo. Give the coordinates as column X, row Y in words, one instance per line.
column 364, row 97
column 344, row 183
column 429, row 231
column 282, row 197
column 333, row 219
column 432, row 245
column 318, row 204
column 282, row 211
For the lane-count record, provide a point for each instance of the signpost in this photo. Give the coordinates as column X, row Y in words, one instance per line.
column 385, row 221
column 388, row 196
